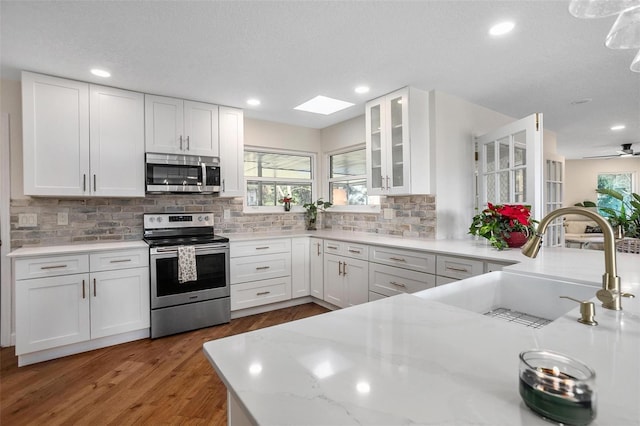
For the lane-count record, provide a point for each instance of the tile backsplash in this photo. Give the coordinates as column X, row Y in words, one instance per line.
column 118, row 219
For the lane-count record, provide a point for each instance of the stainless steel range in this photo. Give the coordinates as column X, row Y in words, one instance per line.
column 182, row 306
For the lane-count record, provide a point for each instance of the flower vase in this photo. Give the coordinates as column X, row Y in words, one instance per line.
column 310, row 223
column 516, row 239
column 287, row 206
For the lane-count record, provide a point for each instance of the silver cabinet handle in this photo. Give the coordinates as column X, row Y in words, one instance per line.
column 94, row 288
column 451, row 268
column 262, row 293
column 332, row 247
column 83, row 290
column 260, row 268
column 340, row 268
column 94, row 183
column 387, row 183
column 223, row 185
column 84, row 182
column 344, row 268
column 53, row 267
column 180, row 142
column 354, row 251
column 398, row 284
column 120, row 260
column 187, row 143
column 318, row 246
column 398, row 259
column 262, row 248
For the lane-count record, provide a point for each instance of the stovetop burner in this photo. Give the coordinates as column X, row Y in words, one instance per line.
column 177, row 229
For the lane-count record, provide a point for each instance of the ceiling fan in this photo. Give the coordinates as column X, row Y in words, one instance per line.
column 626, row 151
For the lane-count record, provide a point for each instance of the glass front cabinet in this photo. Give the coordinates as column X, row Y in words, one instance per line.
column 397, row 136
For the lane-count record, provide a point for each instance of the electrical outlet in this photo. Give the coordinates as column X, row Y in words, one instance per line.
column 27, row 220
column 226, row 214
column 63, row 218
column 388, row 213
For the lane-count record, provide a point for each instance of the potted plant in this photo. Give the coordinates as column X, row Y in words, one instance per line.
column 311, row 215
column 627, row 216
column 507, row 225
column 286, row 201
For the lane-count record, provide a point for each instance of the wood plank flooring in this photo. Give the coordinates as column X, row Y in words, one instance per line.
column 162, row 381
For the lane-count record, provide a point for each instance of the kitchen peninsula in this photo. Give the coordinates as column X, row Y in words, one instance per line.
column 406, row 360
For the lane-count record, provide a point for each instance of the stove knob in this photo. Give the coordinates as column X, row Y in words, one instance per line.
column 159, row 219
column 152, row 219
column 206, row 218
column 199, row 218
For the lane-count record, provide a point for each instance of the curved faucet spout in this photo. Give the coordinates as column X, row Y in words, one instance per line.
column 610, row 294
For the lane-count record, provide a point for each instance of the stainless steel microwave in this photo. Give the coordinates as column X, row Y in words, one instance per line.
column 182, row 173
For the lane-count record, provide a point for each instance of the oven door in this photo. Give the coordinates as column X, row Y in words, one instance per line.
column 212, row 265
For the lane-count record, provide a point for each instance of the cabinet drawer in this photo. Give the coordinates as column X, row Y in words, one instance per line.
column 252, row 248
column 254, row 268
column 51, row 266
column 444, row 280
column 389, row 281
column 353, row 250
column 408, row 259
column 458, row 267
column 258, row 293
column 375, row 296
column 119, row 259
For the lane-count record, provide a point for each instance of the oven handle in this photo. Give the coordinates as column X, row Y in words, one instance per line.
column 199, row 248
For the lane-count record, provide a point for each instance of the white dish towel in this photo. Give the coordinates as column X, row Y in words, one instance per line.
column 187, row 264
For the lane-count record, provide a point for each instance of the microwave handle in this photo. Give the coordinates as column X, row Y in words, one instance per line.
column 187, row 144
column 180, row 142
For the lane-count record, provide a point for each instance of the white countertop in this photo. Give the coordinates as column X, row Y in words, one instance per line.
column 76, row 248
column 405, row 360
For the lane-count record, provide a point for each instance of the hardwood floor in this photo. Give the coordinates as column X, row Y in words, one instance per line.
column 162, row 381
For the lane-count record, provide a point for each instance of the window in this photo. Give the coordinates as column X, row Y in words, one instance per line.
column 620, row 182
column 272, row 175
column 348, row 180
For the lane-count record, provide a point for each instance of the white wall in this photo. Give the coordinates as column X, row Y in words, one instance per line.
column 456, row 123
column 582, row 176
column 348, row 133
column 280, row 136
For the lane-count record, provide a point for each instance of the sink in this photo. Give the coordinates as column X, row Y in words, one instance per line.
column 531, row 295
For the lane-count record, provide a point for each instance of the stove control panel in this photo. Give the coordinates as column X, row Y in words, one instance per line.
column 177, row 220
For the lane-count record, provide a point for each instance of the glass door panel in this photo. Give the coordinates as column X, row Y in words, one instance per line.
column 504, row 153
column 376, row 146
column 397, row 140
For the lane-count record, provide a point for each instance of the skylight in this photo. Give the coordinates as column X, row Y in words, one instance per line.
column 323, row 105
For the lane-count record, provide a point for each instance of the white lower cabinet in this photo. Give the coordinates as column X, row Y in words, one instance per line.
column 458, row 268
column 300, row 274
column 345, row 280
column 389, row 281
column 256, row 293
column 98, row 299
column 316, row 267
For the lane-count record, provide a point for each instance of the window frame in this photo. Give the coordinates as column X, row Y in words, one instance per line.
column 278, row 208
column 362, row 208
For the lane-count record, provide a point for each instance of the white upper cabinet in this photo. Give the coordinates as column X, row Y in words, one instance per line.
column 55, row 117
column 231, row 152
column 81, row 139
column 176, row 126
column 398, row 149
column 116, row 142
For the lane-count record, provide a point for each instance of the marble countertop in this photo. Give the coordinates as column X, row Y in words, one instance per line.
column 76, row 248
column 406, row 360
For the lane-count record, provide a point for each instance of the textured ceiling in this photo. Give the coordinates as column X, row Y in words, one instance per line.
column 286, row 52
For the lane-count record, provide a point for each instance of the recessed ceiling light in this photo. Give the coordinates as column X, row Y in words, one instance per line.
column 362, row 89
column 618, row 127
column 100, row 73
column 501, row 28
column 253, row 102
column 323, row 105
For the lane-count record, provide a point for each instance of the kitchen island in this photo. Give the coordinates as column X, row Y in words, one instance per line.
column 405, row 360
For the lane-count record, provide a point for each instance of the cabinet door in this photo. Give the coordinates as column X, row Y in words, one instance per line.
column 119, row 301
column 334, row 291
column 231, row 152
column 375, row 141
column 163, row 124
column 397, row 139
column 55, row 114
column 51, row 312
column 355, row 273
column 316, row 268
column 300, row 275
column 117, row 142
column 201, row 129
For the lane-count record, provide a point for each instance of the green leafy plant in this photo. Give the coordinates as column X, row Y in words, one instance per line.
column 627, row 216
column 312, row 211
column 497, row 222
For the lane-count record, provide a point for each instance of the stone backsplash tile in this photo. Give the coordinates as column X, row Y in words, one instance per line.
column 118, row 219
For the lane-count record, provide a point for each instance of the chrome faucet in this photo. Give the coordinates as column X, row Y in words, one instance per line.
column 610, row 293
